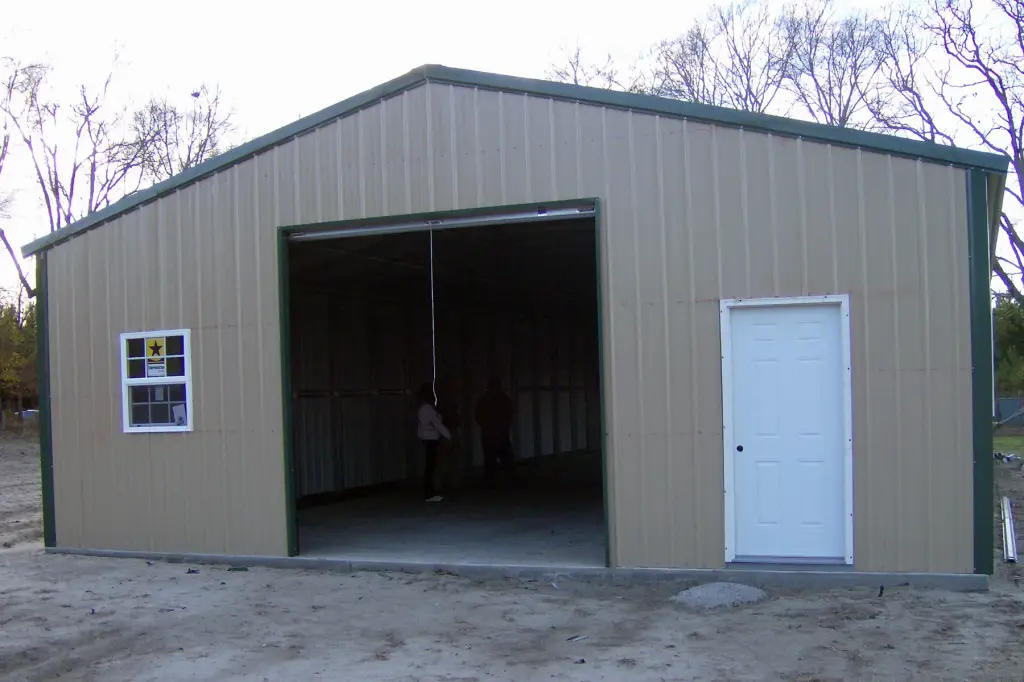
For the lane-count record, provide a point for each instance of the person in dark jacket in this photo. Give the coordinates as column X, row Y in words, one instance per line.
column 494, row 412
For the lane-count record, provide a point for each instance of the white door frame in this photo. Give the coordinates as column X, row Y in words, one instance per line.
column 725, row 307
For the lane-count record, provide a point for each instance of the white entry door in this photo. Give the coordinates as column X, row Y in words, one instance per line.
column 786, row 409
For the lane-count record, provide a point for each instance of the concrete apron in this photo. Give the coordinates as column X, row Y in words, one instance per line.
column 759, row 576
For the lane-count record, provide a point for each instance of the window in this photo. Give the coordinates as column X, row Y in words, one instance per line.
column 156, row 376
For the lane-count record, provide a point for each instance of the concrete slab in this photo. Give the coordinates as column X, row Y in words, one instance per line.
column 784, row 579
column 529, row 524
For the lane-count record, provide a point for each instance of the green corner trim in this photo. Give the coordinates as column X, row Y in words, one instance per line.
column 45, row 416
column 284, row 306
column 980, row 273
column 649, row 104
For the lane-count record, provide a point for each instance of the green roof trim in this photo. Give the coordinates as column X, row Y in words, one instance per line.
column 562, row 91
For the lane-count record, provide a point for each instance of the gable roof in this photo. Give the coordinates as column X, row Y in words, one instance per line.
column 649, row 104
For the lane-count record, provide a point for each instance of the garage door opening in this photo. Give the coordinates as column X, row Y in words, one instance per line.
column 515, row 302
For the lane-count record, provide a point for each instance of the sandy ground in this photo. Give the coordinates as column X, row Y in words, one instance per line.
column 76, row 618
column 21, row 516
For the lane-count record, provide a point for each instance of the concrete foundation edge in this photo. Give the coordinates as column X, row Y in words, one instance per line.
column 760, row 577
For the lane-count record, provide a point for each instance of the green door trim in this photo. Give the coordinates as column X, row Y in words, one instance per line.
column 980, row 275
column 284, row 306
column 45, row 415
column 284, row 309
column 606, row 476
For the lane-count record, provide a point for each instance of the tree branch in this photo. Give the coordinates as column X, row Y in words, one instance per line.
column 17, row 264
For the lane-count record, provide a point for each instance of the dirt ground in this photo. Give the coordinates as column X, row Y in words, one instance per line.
column 77, row 618
column 21, row 515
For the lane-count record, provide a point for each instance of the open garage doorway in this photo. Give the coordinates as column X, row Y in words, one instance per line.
column 375, row 313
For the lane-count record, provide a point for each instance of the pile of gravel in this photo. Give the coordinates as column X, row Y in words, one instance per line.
column 712, row 596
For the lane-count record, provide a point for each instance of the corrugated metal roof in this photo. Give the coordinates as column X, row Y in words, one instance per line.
column 561, row 91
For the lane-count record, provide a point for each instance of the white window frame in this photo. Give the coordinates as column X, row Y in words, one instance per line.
column 126, row 383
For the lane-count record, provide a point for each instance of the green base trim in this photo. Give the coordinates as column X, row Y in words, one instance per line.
column 980, row 273
column 45, row 415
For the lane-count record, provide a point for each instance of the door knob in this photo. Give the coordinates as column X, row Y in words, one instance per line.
column 739, row 448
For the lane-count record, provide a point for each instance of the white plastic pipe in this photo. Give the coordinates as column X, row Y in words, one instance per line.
column 1009, row 535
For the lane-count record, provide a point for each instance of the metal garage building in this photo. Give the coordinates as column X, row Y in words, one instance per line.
column 773, row 336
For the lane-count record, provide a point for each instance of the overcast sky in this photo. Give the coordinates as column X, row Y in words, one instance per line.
column 277, row 61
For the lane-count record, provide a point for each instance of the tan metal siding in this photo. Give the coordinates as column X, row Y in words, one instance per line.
column 758, row 216
column 690, row 213
column 189, row 260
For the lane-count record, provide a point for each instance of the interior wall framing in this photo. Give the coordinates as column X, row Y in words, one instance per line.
column 358, row 360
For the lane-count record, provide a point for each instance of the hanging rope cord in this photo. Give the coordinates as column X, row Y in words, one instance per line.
column 433, row 323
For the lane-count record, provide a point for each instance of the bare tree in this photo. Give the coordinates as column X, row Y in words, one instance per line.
column 757, row 56
column 902, row 98
column 81, row 159
column 833, row 62
column 578, row 71
column 6, row 94
column 955, row 74
column 175, row 138
column 737, row 56
column 89, row 153
column 688, row 69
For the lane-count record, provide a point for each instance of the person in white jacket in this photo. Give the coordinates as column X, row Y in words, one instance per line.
column 430, row 429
